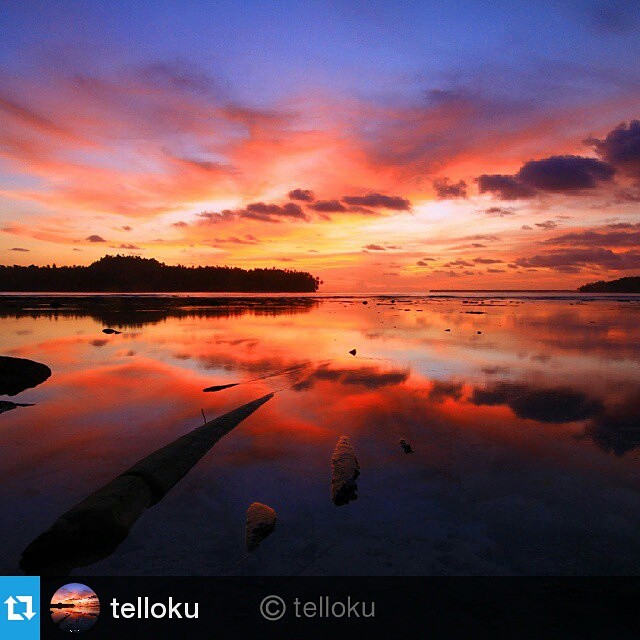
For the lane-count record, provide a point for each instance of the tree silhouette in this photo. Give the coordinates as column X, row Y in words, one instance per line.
column 630, row 284
column 135, row 274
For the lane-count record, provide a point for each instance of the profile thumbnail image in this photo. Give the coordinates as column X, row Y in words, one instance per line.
column 75, row 607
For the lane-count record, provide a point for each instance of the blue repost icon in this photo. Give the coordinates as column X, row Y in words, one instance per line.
column 20, row 612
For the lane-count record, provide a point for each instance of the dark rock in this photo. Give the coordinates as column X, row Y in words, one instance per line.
column 345, row 470
column 406, row 447
column 261, row 521
column 18, row 374
column 5, row 405
column 353, row 352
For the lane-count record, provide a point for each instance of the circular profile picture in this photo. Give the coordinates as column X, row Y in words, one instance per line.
column 75, row 607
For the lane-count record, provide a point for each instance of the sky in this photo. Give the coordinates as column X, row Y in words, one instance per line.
column 382, row 146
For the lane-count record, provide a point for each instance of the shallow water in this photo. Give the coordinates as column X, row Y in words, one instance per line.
column 524, row 418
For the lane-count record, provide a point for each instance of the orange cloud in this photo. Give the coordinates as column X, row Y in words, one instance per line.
column 166, row 147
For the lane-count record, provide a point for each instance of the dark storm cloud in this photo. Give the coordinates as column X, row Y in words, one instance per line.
column 374, row 247
column 621, row 147
column 260, row 211
column 180, row 224
column 565, row 173
column 570, row 260
column 270, row 212
column 599, row 239
column 19, row 249
column 505, row 187
column 378, row 201
column 446, row 190
column 552, row 405
column 305, row 195
column 555, row 174
column 95, row 238
column 328, row 206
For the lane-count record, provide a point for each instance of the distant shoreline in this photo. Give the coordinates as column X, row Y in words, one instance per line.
column 220, row 297
column 628, row 284
column 503, row 291
column 133, row 274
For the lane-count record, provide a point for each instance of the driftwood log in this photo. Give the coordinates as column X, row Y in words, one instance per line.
column 94, row 528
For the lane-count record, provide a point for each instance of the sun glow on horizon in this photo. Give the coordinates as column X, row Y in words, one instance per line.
column 433, row 172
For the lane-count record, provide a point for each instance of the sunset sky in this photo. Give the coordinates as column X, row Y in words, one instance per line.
column 382, row 146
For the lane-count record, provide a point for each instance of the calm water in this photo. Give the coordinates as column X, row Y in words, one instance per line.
column 526, row 435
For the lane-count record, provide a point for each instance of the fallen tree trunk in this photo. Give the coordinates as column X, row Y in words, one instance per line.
column 94, row 528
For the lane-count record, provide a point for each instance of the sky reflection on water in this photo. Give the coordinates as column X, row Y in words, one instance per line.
column 523, row 418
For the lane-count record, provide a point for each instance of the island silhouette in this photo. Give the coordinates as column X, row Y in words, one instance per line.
column 128, row 274
column 630, row 284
